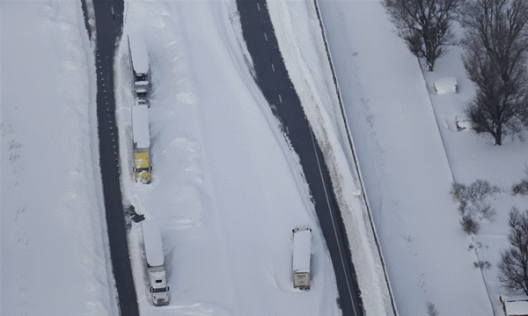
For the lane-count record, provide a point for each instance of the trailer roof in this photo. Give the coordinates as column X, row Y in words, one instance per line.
column 302, row 241
column 140, row 126
column 139, row 52
column 153, row 243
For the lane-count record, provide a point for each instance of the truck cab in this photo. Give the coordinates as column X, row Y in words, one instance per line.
column 142, row 87
column 159, row 291
column 142, row 167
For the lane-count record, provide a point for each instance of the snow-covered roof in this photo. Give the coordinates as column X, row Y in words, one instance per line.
column 302, row 240
column 140, row 126
column 139, row 52
column 153, row 243
column 446, row 85
column 515, row 305
column 516, row 308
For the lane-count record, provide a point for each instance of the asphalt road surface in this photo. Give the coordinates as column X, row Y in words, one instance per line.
column 278, row 89
column 109, row 23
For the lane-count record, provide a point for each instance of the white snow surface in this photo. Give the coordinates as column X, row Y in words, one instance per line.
column 54, row 249
column 227, row 189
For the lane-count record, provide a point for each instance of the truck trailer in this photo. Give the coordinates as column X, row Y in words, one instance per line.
column 140, row 64
column 141, row 137
column 302, row 244
column 159, row 291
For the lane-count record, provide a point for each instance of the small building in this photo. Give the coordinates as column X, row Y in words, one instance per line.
column 445, row 85
column 515, row 305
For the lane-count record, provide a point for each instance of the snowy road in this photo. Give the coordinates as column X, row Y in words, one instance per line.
column 274, row 81
column 108, row 30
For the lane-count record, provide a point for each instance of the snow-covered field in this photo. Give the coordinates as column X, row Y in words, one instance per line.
column 404, row 165
column 473, row 157
column 54, row 256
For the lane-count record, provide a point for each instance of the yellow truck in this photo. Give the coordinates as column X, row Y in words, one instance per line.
column 141, row 136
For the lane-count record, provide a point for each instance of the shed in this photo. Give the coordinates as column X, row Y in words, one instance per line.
column 516, row 305
column 445, row 85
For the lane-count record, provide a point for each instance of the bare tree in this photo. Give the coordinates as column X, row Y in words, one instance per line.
column 496, row 43
column 431, row 309
column 513, row 267
column 425, row 25
column 522, row 187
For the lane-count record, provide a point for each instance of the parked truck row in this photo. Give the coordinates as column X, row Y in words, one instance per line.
column 140, row 121
column 152, row 242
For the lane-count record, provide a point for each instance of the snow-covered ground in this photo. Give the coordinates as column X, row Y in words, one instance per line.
column 404, row 164
column 54, row 254
column 474, row 157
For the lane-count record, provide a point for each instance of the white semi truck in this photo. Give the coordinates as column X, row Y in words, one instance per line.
column 141, row 137
column 140, row 65
column 159, row 291
column 302, row 247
